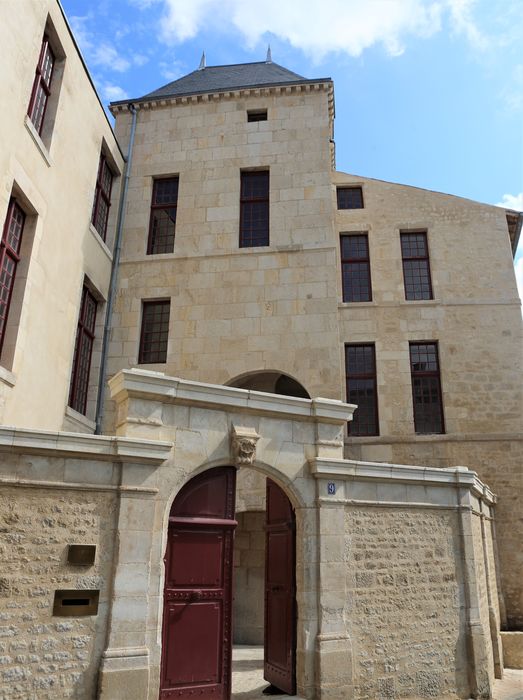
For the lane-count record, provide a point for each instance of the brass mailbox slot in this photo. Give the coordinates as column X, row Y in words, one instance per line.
column 75, row 603
column 81, row 554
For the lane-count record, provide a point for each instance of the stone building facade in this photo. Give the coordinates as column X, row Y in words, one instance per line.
column 201, row 293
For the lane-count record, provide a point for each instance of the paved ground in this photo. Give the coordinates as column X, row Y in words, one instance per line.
column 248, row 683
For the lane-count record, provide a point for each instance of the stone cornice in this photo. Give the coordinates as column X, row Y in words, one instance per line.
column 82, row 446
column 148, row 103
column 160, row 387
column 347, row 469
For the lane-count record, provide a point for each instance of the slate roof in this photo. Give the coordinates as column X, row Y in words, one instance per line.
column 242, row 75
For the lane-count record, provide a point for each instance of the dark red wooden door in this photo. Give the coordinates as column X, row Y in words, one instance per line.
column 196, row 652
column 280, row 591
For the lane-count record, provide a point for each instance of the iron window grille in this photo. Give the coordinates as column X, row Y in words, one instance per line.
column 355, row 267
column 360, row 367
column 162, row 222
column 102, row 197
column 42, row 85
column 349, row 197
column 155, row 332
column 426, row 388
column 82, row 352
column 254, row 209
column 416, row 265
column 9, row 259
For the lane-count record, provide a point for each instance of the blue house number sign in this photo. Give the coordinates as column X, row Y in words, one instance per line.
column 331, row 488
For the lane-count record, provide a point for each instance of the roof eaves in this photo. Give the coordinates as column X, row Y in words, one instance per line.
column 213, row 91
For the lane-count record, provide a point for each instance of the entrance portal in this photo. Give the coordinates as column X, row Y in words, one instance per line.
column 197, row 611
column 196, row 640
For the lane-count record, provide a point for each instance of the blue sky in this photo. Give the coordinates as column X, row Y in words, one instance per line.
column 428, row 92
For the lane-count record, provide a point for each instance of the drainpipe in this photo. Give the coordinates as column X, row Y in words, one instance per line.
column 114, row 276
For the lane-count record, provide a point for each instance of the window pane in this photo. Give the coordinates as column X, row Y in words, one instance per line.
column 360, row 365
column 9, row 255
column 255, row 224
column 166, row 191
column 416, row 267
column 155, row 332
column 350, row 197
column 355, row 268
column 162, row 224
column 426, row 388
column 82, row 353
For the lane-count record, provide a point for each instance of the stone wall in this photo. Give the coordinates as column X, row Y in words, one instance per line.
column 249, row 579
column 405, row 603
column 45, row 657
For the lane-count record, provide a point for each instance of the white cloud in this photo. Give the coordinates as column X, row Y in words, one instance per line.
column 113, row 92
column 512, row 201
column 462, row 22
column 107, row 56
column 315, row 26
column 139, row 59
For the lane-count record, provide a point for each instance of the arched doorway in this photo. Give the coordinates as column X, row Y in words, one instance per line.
column 197, row 609
column 196, row 638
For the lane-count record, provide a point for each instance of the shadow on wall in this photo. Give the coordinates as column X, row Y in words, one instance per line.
column 272, row 382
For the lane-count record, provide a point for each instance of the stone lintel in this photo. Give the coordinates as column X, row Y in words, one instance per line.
column 83, row 446
column 348, row 469
column 143, row 384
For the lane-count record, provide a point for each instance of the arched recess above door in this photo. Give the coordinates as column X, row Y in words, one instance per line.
column 271, row 381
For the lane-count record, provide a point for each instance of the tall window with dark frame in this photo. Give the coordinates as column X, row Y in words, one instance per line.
column 360, row 367
column 355, row 267
column 102, row 197
column 416, row 266
column 9, row 259
column 254, row 209
column 426, row 388
column 162, row 223
column 155, row 332
column 42, row 85
column 349, row 197
column 82, row 352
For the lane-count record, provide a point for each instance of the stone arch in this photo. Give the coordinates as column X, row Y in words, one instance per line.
column 271, row 381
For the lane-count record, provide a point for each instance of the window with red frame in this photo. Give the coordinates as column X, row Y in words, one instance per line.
column 416, row 266
column 254, row 209
column 162, row 223
column 155, row 331
column 426, row 388
column 42, row 85
column 82, row 353
column 102, row 197
column 360, row 367
column 355, row 267
column 9, row 259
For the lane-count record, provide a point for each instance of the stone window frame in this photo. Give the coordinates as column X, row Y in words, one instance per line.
column 416, row 265
column 83, row 351
column 345, row 198
column 154, row 332
column 352, row 265
column 371, row 374
column 249, row 203
column 102, row 195
column 164, row 243
column 426, row 383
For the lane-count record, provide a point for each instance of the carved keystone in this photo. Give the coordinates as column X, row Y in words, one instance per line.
column 243, row 445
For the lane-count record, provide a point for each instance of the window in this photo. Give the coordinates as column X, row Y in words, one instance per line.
column 254, row 209
column 416, row 268
column 9, row 259
column 426, row 388
column 355, row 267
column 257, row 115
column 350, row 197
column 102, row 197
column 155, row 331
column 163, row 216
column 82, row 352
column 42, row 85
column 360, row 366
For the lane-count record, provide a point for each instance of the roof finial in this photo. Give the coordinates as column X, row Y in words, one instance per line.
column 269, row 55
column 202, row 62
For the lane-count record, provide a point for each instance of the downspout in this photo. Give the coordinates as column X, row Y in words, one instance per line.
column 114, row 277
